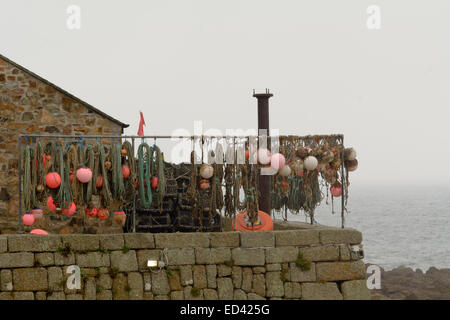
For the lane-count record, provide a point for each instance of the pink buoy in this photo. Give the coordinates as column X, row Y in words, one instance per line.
column 84, row 174
column 277, row 161
column 299, row 173
column 28, row 219
column 70, row 210
column 37, row 213
column 264, row 156
column 38, row 231
column 336, row 191
column 51, row 204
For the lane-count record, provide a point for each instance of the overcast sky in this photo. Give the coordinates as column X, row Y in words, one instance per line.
column 386, row 90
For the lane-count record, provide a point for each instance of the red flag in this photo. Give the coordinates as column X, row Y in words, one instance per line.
column 141, row 126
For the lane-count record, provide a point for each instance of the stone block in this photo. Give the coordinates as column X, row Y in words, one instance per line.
column 55, row 279
column 177, row 295
column 105, row 295
column 273, row 267
column 337, row 271
column 23, row 295
column 210, row 294
column 40, row 295
column 247, row 279
column 175, row 281
column 340, row 236
column 86, row 242
column 225, row 239
column 274, row 285
column 211, row 275
column 199, row 273
column 16, row 260
column 355, row 290
column 6, row 296
column 212, row 255
column 57, row 295
column 223, row 270
column 182, row 240
column 104, row 282
column 177, row 257
column 239, row 295
column 189, row 293
column 186, row 276
column 3, row 244
column 136, row 286
column 144, row 255
column 257, row 239
column 148, row 296
column 6, row 281
column 119, row 287
column 297, row 275
column 161, row 297
column 257, row 270
column 236, row 276
column 344, row 252
column 93, row 260
column 139, row 240
column 320, row 291
column 33, row 243
column 225, row 288
column 62, row 260
column 90, row 291
column 254, row 296
column 259, row 284
column 160, row 283
column 124, row 262
column 112, row 241
column 45, row 259
column 30, row 279
column 292, row 290
column 296, row 237
column 321, row 253
column 74, row 297
column 281, row 254
column 248, row 257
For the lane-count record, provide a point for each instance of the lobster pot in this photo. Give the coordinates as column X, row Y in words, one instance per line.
column 171, row 188
column 185, row 221
column 154, row 221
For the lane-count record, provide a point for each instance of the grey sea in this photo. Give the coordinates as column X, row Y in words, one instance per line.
column 401, row 225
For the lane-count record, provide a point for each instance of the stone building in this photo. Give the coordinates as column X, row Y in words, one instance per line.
column 31, row 105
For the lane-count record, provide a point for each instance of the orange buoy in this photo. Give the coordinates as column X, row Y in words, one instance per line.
column 265, row 222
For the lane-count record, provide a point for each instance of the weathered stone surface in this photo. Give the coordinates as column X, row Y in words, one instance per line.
column 3, row 244
column 16, row 260
column 6, row 296
column 211, row 274
column 257, row 270
column 30, row 279
column 104, row 281
column 175, row 281
column 257, row 239
column 225, row 288
column 296, row 237
column 224, row 239
column 247, row 279
column 182, row 240
column 34, row 243
column 188, row 294
column 87, row 242
column 124, row 261
column 212, row 255
column 292, row 290
column 340, row 236
column 259, row 284
column 55, row 279
column 161, row 297
column 344, row 252
column 186, row 276
column 57, row 295
column 210, row 294
column 93, row 259
column 44, row 259
column 335, row 271
column 177, row 257
column 177, row 295
column 119, row 288
column 273, row 267
column 254, row 296
column 136, row 285
column 199, row 277
column 144, row 255
column 223, row 270
column 23, row 295
column 236, row 276
column 274, row 285
column 61, row 260
column 239, row 294
column 320, row 291
column 148, row 296
column 112, row 241
column 104, row 295
column 160, row 283
column 6, row 282
column 281, row 254
column 74, row 297
column 90, row 290
column 321, row 253
column 248, row 257
column 139, row 240
column 355, row 290
column 41, row 295
column 147, row 281
column 297, row 275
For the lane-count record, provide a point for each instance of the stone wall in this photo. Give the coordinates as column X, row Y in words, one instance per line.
column 314, row 263
column 29, row 105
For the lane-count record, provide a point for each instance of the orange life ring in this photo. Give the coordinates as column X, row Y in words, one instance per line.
column 266, row 222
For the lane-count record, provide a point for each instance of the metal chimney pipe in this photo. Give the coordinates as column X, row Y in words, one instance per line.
column 264, row 203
